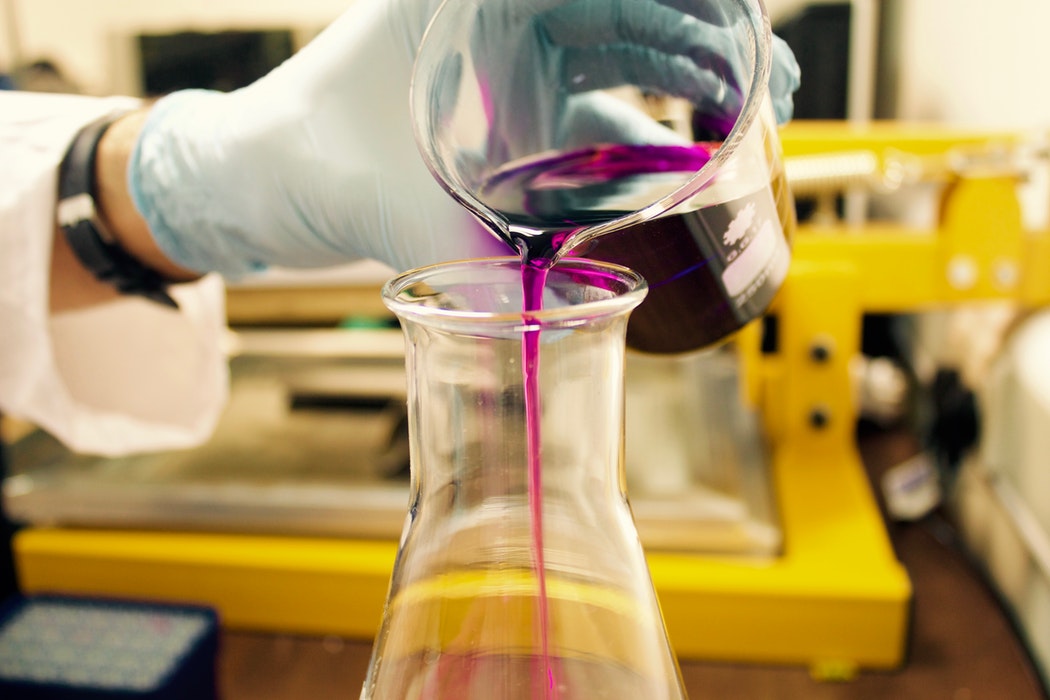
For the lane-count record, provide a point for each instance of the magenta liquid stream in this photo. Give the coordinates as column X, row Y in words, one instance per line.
column 533, row 279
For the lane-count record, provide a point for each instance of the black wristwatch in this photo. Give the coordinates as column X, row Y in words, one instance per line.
column 78, row 218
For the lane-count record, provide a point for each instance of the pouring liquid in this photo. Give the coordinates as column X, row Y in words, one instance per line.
column 544, row 203
column 533, row 279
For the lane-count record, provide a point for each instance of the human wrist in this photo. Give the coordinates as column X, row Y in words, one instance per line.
column 115, row 206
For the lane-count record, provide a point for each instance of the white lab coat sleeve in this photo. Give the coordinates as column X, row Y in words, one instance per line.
column 124, row 377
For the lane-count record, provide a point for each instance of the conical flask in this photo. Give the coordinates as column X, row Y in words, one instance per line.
column 519, row 574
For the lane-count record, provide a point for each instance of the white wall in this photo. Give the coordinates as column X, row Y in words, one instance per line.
column 975, row 62
column 966, row 62
column 981, row 62
column 88, row 38
column 84, row 36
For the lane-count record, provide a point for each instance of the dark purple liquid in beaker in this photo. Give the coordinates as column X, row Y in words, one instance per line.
column 704, row 282
column 711, row 268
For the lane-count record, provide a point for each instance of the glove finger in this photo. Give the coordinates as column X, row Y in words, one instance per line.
column 650, row 25
column 710, row 11
column 784, row 79
column 595, row 23
column 609, row 67
column 598, row 117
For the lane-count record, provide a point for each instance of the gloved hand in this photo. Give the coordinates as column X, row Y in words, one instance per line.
column 785, row 77
column 316, row 163
column 502, row 83
column 530, row 61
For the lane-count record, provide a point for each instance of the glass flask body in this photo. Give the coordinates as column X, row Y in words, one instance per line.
column 519, row 574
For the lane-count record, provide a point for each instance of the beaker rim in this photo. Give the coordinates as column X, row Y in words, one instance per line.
column 615, row 290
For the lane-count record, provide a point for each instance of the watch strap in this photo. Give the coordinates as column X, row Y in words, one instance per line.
column 87, row 235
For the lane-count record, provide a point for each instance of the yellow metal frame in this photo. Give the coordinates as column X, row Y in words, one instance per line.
column 835, row 600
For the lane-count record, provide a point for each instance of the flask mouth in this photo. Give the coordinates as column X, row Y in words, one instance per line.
column 487, row 293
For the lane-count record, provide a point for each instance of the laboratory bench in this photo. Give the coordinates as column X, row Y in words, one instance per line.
column 961, row 646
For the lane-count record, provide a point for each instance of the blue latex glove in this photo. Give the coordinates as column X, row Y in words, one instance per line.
column 316, row 163
column 499, row 83
column 531, row 61
column 683, row 48
column 785, row 78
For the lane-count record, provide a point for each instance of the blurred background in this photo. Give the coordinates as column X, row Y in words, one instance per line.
column 951, row 427
column 961, row 63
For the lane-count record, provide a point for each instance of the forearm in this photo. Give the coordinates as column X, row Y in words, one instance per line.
column 74, row 286
column 116, row 378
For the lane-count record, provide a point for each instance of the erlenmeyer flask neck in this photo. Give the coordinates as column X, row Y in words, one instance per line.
column 520, row 574
column 471, row 353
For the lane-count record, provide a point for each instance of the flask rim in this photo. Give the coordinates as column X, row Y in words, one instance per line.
column 626, row 289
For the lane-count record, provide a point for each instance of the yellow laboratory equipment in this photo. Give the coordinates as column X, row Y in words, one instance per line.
column 809, row 575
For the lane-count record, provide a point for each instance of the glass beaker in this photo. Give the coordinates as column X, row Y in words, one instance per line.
column 519, row 574
column 537, row 117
